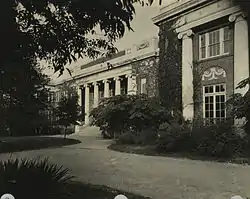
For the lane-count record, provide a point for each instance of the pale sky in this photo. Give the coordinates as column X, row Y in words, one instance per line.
column 143, row 29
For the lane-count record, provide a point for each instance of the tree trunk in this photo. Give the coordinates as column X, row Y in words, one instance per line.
column 65, row 132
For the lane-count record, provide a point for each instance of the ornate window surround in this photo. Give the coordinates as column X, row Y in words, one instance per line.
column 211, row 78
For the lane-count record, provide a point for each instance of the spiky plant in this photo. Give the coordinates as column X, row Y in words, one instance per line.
column 34, row 178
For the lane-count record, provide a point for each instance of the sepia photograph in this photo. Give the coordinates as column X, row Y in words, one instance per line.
column 125, row 99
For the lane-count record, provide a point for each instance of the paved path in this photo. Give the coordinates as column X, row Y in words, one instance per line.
column 157, row 177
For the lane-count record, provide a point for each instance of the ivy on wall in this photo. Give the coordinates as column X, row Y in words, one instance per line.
column 170, row 61
column 197, row 95
column 147, row 68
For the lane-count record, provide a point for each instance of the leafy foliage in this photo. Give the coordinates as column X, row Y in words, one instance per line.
column 170, row 67
column 28, row 178
column 217, row 141
column 23, row 98
column 61, row 31
column 68, row 110
column 240, row 105
column 174, row 137
column 129, row 113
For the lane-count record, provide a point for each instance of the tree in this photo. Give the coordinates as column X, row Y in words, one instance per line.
column 24, row 98
column 58, row 30
column 68, row 111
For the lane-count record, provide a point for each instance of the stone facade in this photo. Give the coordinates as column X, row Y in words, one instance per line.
column 214, row 54
column 130, row 71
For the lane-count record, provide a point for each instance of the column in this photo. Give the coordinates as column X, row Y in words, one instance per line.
column 187, row 74
column 96, row 94
column 79, row 93
column 241, row 55
column 86, row 104
column 241, row 50
column 106, row 88
column 117, row 85
column 131, row 84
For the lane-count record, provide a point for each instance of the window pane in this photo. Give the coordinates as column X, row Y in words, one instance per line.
column 206, row 89
column 211, row 89
column 217, row 98
column 206, row 100
column 226, row 33
column 206, row 114
column 217, row 36
column 210, row 51
column 203, row 52
column 211, row 99
column 203, row 40
column 223, row 114
column 217, row 106
column 226, row 46
column 222, row 106
column 210, row 38
column 217, row 89
column 222, row 88
column 206, row 106
column 222, row 98
column 217, row 49
column 211, row 107
column 218, row 114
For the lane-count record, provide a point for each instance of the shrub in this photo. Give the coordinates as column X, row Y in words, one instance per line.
column 174, row 137
column 26, row 179
column 141, row 138
column 218, row 141
column 135, row 114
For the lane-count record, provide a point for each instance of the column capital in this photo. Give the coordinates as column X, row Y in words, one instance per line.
column 117, row 78
column 129, row 75
column 185, row 34
column 87, row 85
column 105, row 81
column 96, row 83
column 81, row 86
column 237, row 16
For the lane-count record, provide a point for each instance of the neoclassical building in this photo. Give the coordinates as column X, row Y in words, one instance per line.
column 215, row 53
column 130, row 71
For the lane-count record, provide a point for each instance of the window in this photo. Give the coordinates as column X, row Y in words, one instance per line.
column 143, row 85
column 214, row 103
column 214, row 43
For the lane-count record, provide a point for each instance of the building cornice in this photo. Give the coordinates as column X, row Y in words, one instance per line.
column 154, row 53
column 177, row 8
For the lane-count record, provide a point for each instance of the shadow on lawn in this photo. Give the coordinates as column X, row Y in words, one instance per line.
column 150, row 150
column 16, row 144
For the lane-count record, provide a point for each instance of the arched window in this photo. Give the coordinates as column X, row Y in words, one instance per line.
column 214, row 95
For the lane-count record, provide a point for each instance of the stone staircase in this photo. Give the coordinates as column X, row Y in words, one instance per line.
column 86, row 130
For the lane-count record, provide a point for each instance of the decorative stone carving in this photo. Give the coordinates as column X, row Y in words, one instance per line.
column 184, row 34
column 180, row 22
column 96, row 83
column 142, row 45
column 117, row 78
column 106, row 81
column 87, row 85
column 233, row 17
column 213, row 73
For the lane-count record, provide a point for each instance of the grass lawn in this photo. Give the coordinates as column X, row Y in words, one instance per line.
column 15, row 144
column 150, row 150
column 78, row 190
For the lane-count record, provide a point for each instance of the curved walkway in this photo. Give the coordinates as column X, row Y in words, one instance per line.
column 157, row 177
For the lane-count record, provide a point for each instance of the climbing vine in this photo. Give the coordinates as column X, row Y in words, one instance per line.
column 197, row 94
column 170, row 67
